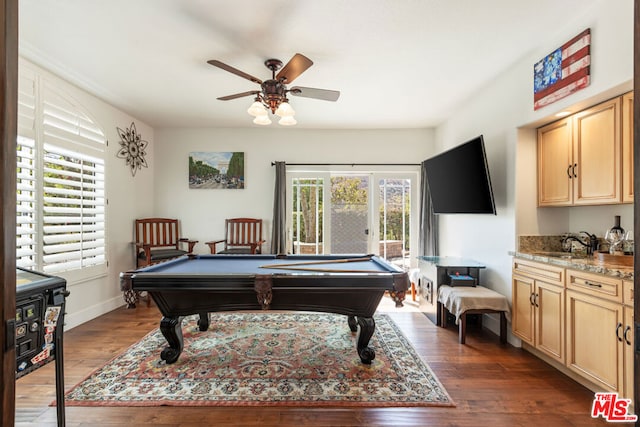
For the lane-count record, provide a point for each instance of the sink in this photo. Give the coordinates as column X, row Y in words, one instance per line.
column 559, row 254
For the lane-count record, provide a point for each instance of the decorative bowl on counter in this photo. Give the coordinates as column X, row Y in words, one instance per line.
column 607, row 258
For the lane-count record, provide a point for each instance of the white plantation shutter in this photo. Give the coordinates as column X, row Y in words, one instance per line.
column 26, row 225
column 66, row 126
column 26, row 205
column 73, row 210
column 61, row 182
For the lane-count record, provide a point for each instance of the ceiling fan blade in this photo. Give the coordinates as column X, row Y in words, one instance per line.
column 296, row 66
column 238, row 95
column 235, row 71
column 310, row 92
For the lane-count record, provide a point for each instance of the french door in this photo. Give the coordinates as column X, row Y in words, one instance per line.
column 353, row 213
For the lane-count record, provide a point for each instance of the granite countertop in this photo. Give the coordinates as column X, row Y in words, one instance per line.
column 577, row 262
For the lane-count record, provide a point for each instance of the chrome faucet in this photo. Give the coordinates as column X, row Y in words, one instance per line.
column 590, row 241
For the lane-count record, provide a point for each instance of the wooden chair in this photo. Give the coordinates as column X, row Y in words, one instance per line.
column 244, row 236
column 156, row 240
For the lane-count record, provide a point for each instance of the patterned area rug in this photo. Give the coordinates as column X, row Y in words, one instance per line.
column 267, row 359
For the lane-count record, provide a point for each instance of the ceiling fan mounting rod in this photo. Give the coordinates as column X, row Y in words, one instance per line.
column 274, row 65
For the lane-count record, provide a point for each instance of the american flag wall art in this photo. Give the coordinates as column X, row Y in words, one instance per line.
column 563, row 71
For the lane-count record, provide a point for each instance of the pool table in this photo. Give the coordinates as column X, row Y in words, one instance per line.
column 352, row 285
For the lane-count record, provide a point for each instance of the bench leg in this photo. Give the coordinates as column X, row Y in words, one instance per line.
column 462, row 328
column 503, row 328
column 443, row 315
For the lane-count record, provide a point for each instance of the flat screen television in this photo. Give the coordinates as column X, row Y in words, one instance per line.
column 459, row 180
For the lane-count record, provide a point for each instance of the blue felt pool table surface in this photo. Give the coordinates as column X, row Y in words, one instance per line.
column 267, row 264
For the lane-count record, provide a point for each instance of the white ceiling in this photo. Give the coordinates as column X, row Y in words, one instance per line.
column 397, row 63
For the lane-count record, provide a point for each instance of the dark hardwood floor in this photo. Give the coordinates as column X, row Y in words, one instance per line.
column 491, row 384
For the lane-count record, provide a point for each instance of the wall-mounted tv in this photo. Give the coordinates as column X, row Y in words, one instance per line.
column 459, row 180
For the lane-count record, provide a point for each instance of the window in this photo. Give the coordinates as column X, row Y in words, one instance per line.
column 60, row 182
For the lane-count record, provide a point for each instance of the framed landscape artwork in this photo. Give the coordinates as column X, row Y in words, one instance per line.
column 216, row 170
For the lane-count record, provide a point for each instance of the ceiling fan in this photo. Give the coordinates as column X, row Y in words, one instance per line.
column 273, row 93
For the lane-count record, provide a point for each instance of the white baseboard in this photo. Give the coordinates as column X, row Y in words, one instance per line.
column 78, row 318
column 491, row 321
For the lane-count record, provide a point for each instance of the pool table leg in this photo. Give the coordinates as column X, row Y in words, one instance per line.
column 367, row 327
column 171, row 328
column 203, row 322
column 353, row 323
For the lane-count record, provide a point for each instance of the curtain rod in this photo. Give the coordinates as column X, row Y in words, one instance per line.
column 349, row 164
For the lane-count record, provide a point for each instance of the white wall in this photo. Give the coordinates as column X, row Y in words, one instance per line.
column 503, row 112
column 202, row 212
column 128, row 198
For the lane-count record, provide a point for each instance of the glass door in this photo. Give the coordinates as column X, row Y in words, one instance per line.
column 306, row 219
column 350, row 226
column 394, row 207
column 354, row 213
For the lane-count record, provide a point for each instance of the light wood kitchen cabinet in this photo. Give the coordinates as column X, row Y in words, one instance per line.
column 538, row 307
column 579, row 158
column 595, row 328
column 596, row 154
column 580, row 322
column 627, row 148
column 628, row 338
column 555, row 159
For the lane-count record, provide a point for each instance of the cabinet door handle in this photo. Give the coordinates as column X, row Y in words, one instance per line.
column 568, row 173
column 627, row 329
column 535, row 301
column 575, row 165
column 618, row 330
column 592, row 284
column 531, row 295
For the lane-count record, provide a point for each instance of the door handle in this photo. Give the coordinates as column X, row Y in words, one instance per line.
column 627, row 329
column 575, row 165
column 618, row 330
column 568, row 173
column 366, row 231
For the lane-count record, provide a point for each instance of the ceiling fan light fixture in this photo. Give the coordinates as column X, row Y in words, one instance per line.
column 257, row 109
column 272, row 96
column 262, row 120
column 287, row 121
column 285, row 109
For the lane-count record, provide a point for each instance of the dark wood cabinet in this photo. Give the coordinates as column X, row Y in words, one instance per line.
column 435, row 272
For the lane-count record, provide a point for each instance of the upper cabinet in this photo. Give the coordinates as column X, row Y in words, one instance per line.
column 596, row 170
column 555, row 164
column 580, row 158
column 627, row 148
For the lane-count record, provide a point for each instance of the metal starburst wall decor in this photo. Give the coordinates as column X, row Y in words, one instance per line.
column 132, row 148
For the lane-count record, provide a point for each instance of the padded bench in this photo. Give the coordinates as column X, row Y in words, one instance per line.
column 463, row 300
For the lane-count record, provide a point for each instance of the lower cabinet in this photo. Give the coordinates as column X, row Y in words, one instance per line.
column 595, row 329
column 581, row 320
column 538, row 307
column 594, row 348
column 628, row 337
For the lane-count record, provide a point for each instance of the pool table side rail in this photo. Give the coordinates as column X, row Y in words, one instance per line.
column 153, row 280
